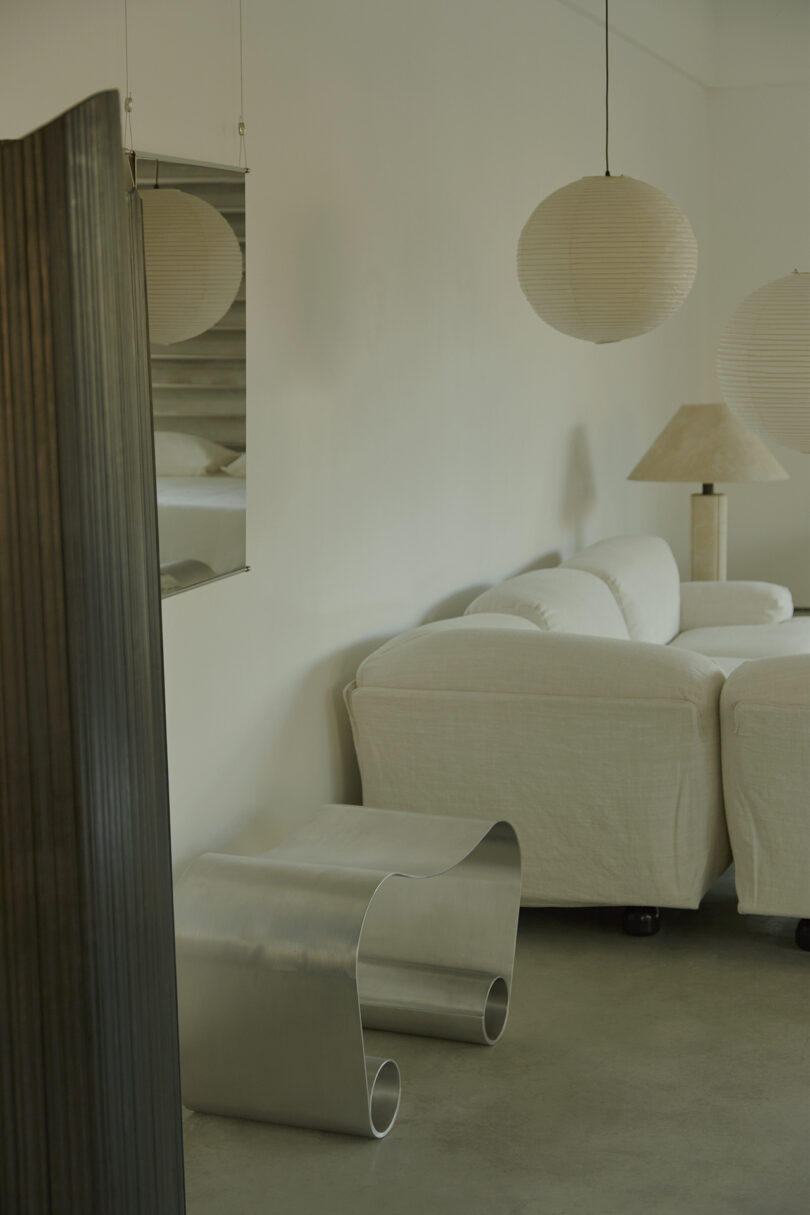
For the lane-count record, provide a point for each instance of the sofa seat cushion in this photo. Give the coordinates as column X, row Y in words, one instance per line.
column 558, row 601
column 749, row 640
column 642, row 574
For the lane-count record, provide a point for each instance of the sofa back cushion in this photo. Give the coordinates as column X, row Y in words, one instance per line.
column 642, row 574
column 558, row 601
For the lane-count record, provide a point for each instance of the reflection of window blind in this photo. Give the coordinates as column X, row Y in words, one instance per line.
column 198, row 386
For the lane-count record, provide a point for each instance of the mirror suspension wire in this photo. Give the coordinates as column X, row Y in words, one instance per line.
column 241, row 128
column 129, row 145
column 607, row 83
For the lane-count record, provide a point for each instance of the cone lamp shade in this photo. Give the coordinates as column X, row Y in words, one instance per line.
column 606, row 258
column 193, row 264
column 763, row 362
column 707, row 443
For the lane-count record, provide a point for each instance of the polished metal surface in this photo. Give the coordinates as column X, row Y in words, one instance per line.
column 373, row 918
column 198, row 389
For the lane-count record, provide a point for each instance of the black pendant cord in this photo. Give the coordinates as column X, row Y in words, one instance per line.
column 607, row 84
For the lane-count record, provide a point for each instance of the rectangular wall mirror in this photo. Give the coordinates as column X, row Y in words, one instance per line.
column 194, row 237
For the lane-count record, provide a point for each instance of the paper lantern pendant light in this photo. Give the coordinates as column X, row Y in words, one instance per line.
column 763, row 362
column 193, row 264
column 606, row 258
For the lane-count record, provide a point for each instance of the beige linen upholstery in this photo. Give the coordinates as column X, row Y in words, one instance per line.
column 707, row 604
column 765, row 718
column 727, row 664
column 604, row 754
column 559, row 600
column 643, row 576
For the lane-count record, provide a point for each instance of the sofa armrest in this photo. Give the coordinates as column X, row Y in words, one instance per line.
column 765, row 724
column 456, row 656
column 708, row 604
column 603, row 754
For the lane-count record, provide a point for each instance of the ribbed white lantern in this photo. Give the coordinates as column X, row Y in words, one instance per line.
column 607, row 258
column 763, row 362
column 193, row 264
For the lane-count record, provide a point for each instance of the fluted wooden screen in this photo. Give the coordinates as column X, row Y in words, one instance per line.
column 89, row 1077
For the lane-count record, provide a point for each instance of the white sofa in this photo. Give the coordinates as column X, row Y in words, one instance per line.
column 581, row 703
column 631, row 590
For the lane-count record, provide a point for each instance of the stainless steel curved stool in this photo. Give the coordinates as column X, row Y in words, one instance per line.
column 283, row 958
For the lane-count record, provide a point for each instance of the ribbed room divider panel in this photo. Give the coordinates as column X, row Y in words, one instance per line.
column 89, row 1076
column 606, row 258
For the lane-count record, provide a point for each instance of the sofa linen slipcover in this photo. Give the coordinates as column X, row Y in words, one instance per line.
column 765, row 723
column 590, row 720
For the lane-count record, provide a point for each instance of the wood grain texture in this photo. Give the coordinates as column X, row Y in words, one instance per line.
column 89, row 1074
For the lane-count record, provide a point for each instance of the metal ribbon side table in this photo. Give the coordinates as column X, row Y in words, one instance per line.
column 376, row 918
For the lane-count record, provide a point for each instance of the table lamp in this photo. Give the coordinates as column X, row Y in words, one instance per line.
column 706, row 443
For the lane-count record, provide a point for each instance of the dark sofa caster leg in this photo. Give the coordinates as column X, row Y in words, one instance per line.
column 803, row 935
column 641, row 921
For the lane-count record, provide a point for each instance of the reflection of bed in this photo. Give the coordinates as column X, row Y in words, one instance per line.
column 202, row 519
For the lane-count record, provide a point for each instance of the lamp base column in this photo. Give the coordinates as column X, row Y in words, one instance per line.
column 709, row 531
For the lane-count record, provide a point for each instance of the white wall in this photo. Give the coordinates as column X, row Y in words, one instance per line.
column 759, row 42
column 681, row 34
column 414, row 430
column 759, row 122
column 761, row 231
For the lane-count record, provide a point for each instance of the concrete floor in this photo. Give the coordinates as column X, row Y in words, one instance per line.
column 659, row 1076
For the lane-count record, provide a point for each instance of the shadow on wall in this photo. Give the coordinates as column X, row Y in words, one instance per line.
column 316, row 724
column 579, row 495
column 548, row 561
column 309, row 759
column 309, row 756
column 341, row 669
column 454, row 604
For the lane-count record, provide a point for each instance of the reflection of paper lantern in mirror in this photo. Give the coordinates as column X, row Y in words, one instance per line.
column 763, row 362
column 606, row 258
column 193, row 264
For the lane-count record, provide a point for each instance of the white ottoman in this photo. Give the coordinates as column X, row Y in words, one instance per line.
column 765, row 724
